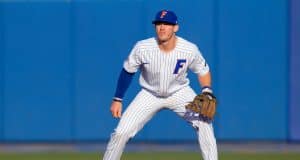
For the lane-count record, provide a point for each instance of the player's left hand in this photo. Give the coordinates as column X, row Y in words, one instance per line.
column 208, row 103
column 204, row 105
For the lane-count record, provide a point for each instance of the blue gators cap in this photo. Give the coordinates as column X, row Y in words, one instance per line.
column 165, row 16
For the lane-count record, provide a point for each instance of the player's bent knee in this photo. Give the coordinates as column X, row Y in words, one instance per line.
column 121, row 135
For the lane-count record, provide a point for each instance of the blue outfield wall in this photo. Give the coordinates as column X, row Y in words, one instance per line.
column 294, row 70
column 253, row 69
column 2, row 64
column 60, row 62
column 37, row 71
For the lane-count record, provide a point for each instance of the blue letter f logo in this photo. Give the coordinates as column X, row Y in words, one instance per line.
column 179, row 65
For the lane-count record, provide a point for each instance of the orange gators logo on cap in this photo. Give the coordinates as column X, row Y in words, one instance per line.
column 163, row 13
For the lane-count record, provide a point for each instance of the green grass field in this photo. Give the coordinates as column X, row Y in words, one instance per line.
column 148, row 156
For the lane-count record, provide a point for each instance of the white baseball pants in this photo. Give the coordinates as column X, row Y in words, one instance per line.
column 144, row 106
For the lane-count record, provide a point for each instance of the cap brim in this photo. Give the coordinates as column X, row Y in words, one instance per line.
column 155, row 22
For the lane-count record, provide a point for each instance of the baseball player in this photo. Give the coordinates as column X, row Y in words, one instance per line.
column 163, row 62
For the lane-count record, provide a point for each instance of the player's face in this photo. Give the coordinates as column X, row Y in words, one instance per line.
column 165, row 31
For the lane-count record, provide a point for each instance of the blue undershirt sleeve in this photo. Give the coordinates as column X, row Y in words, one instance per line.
column 124, row 81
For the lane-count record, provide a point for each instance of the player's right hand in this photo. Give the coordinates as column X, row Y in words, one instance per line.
column 116, row 109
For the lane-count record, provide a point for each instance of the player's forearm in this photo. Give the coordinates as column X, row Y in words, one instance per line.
column 205, row 81
column 124, row 81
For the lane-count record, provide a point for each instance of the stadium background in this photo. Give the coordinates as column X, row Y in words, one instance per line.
column 60, row 61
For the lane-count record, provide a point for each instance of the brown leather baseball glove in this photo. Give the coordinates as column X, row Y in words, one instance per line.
column 205, row 104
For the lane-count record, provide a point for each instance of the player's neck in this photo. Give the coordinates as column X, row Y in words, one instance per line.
column 169, row 45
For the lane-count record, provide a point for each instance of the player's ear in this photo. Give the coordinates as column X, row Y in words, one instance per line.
column 176, row 28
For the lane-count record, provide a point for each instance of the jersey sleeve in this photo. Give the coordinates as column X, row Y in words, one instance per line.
column 198, row 64
column 133, row 62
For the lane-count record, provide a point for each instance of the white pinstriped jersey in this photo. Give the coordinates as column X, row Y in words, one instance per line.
column 163, row 74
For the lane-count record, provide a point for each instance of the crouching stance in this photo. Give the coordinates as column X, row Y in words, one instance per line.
column 163, row 62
